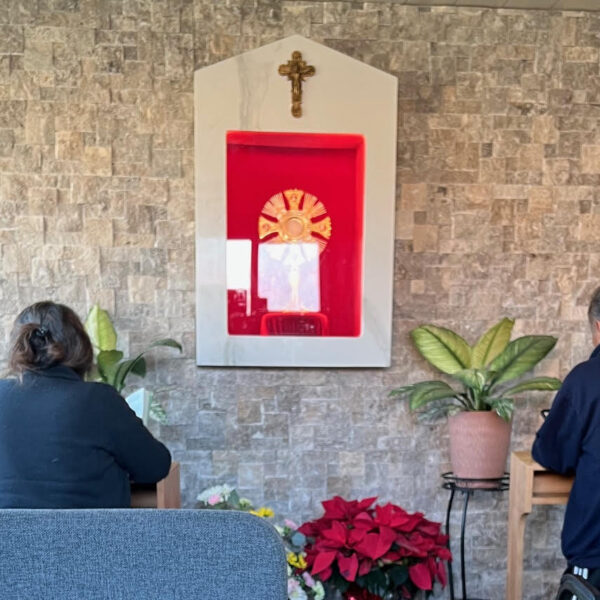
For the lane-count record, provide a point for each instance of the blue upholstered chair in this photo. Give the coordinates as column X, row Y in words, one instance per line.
column 139, row 554
column 575, row 586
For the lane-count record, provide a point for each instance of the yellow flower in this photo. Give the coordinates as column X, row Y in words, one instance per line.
column 263, row 512
column 296, row 560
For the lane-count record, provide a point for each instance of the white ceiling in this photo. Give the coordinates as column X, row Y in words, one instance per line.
column 593, row 5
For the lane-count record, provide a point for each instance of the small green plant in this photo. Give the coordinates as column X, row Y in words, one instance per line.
column 483, row 370
column 111, row 367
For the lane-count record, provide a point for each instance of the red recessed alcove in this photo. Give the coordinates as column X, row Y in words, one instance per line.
column 330, row 167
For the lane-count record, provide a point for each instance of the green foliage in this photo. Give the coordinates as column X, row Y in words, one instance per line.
column 100, row 329
column 482, row 370
column 110, row 366
column 491, row 343
column 443, row 348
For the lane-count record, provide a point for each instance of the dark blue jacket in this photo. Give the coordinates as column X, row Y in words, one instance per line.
column 569, row 442
column 66, row 443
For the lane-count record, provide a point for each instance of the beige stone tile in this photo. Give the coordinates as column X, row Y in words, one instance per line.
column 425, row 238
column 482, row 3
column 432, row 2
column 529, row 4
column 577, row 5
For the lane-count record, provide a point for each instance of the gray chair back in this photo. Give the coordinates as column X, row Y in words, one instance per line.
column 139, row 554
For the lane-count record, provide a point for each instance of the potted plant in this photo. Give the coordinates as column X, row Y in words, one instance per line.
column 111, row 367
column 480, row 409
column 379, row 552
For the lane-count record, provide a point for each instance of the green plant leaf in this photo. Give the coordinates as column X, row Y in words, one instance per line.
column 429, row 391
column 475, row 379
column 492, row 343
column 535, row 384
column 398, row 574
column 520, row 356
column 100, row 329
column 157, row 412
column 168, row 342
column 503, row 407
column 137, row 365
column 401, row 391
column 438, row 410
column 123, row 371
column 444, row 349
column 107, row 361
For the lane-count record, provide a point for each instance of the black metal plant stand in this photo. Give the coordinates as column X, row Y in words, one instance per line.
column 467, row 487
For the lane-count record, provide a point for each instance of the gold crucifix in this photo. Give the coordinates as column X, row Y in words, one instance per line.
column 296, row 70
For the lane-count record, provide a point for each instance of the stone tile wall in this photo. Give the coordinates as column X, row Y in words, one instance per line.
column 498, row 213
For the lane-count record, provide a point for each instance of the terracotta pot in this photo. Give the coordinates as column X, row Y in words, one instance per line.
column 479, row 444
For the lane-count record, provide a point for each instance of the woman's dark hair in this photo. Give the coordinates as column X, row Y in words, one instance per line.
column 46, row 334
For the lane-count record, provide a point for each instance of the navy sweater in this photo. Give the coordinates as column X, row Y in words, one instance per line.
column 569, row 442
column 66, row 443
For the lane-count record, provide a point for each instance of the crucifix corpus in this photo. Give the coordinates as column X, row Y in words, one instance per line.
column 296, row 70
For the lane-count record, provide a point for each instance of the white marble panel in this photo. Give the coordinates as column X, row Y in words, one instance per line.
column 345, row 96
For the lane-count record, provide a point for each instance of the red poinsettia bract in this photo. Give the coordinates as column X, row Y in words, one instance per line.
column 357, row 538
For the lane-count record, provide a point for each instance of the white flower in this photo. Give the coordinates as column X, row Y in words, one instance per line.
column 293, row 585
column 295, row 591
column 222, row 491
column 319, row 591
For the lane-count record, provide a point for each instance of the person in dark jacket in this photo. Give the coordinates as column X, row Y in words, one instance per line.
column 569, row 442
column 65, row 442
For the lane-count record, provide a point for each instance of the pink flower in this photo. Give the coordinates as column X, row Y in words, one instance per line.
column 290, row 524
column 214, row 499
column 310, row 582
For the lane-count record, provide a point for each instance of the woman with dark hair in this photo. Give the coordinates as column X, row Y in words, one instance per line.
column 65, row 442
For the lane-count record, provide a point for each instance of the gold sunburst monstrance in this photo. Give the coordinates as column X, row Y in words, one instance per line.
column 287, row 222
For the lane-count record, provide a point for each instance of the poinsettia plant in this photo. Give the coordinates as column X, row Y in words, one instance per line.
column 370, row 551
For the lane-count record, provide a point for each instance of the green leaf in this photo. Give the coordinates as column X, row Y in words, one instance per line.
column 503, row 406
column 100, row 329
column 402, row 390
column 398, row 574
column 376, row 582
column 475, row 379
column 123, row 371
column 108, row 364
column 520, row 356
column 535, row 384
column 168, row 342
column 137, row 365
column 492, row 343
column 438, row 410
column 139, row 368
column 157, row 412
column 444, row 349
column 429, row 391
column 107, row 358
column 234, row 499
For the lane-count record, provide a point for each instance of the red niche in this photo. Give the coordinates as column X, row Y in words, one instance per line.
column 295, row 205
